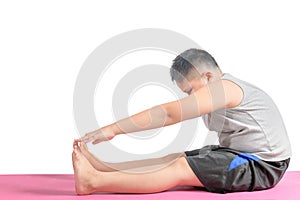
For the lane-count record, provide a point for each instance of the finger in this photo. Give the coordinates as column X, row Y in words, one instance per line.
column 100, row 138
column 75, row 143
column 93, row 135
column 77, row 140
column 97, row 141
column 87, row 138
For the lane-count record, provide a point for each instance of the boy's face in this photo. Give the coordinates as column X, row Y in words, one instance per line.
column 191, row 86
column 194, row 81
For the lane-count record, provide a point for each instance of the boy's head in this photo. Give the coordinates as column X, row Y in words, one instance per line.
column 193, row 69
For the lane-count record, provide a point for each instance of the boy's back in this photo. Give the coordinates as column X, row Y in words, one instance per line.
column 255, row 126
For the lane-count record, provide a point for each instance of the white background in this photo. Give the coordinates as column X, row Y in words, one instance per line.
column 43, row 45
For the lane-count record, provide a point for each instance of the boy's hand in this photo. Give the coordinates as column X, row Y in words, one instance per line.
column 98, row 136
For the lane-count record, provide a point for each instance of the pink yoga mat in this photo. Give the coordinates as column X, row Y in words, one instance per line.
column 31, row 187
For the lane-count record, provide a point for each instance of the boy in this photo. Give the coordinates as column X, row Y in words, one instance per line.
column 254, row 150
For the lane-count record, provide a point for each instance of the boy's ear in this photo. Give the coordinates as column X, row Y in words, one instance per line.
column 209, row 75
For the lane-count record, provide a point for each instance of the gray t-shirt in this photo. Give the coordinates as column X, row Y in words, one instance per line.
column 255, row 126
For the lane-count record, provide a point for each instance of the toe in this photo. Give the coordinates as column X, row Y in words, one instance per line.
column 83, row 146
column 76, row 155
column 75, row 143
column 77, row 149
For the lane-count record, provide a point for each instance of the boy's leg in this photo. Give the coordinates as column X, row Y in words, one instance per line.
column 130, row 166
column 89, row 180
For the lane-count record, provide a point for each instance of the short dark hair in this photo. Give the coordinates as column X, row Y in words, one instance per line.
column 189, row 59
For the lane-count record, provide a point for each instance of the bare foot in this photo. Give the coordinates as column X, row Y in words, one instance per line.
column 84, row 173
column 95, row 162
column 84, row 150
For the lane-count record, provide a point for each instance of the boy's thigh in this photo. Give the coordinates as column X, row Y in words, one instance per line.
column 186, row 175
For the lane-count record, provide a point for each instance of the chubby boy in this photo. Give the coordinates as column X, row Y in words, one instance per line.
column 253, row 152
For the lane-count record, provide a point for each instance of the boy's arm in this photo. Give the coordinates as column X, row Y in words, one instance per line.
column 206, row 100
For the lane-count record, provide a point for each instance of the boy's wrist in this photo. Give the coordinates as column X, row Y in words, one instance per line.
column 116, row 129
column 111, row 129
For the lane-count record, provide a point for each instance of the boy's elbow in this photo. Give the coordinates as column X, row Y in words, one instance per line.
column 163, row 115
column 173, row 114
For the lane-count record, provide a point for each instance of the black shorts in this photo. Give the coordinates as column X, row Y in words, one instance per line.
column 224, row 170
